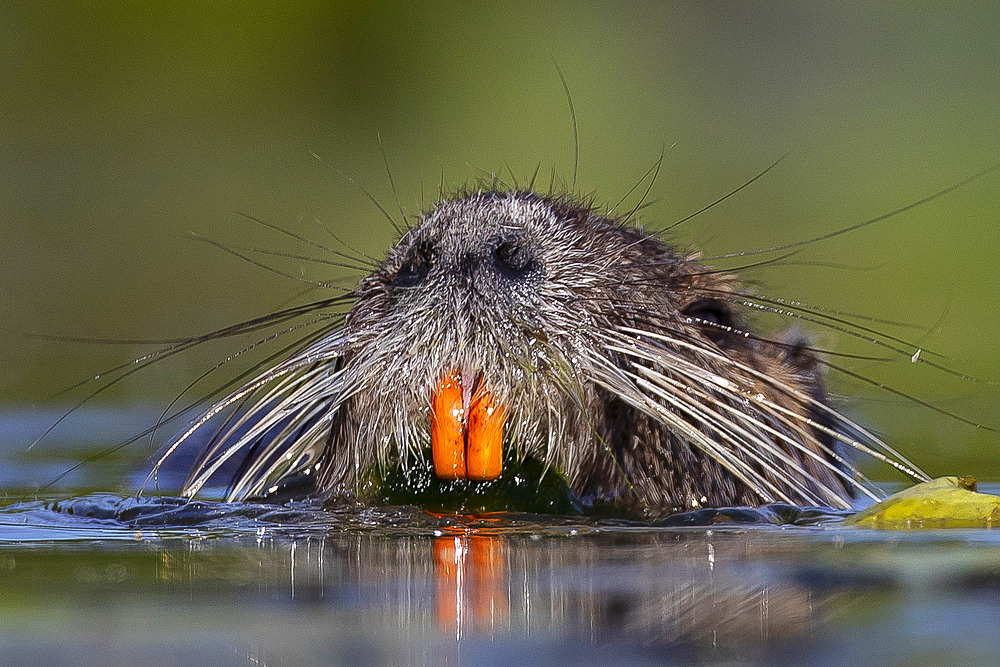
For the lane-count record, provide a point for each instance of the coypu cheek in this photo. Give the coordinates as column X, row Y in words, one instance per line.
column 466, row 431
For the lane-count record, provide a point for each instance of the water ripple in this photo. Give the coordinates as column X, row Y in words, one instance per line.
column 105, row 516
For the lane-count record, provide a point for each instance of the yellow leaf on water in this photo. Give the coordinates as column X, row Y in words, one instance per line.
column 945, row 502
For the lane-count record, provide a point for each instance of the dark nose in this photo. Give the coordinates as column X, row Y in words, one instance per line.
column 513, row 259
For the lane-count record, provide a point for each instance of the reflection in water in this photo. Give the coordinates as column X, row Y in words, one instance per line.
column 106, row 580
column 653, row 589
column 398, row 584
column 470, row 584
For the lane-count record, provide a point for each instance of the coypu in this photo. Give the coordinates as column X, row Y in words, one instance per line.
column 509, row 324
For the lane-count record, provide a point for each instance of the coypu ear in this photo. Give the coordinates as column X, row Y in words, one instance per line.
column 798, row 352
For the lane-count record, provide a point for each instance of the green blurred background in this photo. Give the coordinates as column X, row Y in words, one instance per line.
column 127, row 125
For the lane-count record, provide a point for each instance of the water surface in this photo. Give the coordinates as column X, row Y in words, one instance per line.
column 100, row 578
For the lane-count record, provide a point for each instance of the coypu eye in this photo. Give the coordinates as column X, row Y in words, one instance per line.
column 513, row 259
column 419, row 261
column 712, row 313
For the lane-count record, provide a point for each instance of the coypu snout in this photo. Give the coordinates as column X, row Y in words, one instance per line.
column 467, row 420
column 514, row 326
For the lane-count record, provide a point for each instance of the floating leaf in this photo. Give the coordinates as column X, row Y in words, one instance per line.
column 945, row 502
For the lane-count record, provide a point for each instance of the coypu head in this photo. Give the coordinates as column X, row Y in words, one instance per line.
column 508, row 325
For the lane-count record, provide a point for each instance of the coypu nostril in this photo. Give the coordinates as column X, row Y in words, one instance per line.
column 417, row 264
column 514, row 259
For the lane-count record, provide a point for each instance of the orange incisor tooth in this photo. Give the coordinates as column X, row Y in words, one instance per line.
column 484, row 450
column 448, row 421
column 466, row 446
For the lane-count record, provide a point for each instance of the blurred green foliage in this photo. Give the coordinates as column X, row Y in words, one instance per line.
column 128, row 125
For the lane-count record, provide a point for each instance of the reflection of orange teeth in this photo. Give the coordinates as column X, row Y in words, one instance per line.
column 471, row 583
column 466, row 434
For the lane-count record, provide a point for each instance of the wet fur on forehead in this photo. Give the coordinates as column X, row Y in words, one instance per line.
column 492, row 212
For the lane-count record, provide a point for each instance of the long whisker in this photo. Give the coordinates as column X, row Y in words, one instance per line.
column 235, row 253
column 293, row 364
column 704, row 385
column 865, row 223
column 229, row 358
column 722, row 198
column 171, row 418
column 371, row 264
column 150, row 358
column 891, row 456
